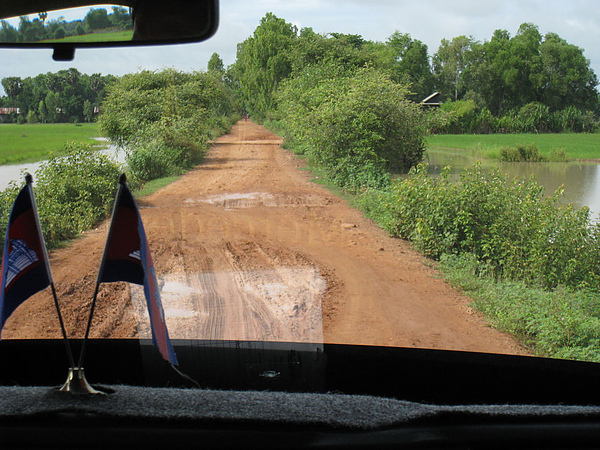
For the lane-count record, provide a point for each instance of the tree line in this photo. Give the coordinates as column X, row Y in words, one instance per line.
column 40, row 29
column 479, row 82
column 64, row 96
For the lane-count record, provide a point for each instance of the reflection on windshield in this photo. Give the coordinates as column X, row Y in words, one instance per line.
column 99, row 24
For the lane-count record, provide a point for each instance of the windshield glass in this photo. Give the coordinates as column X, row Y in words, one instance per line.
column 374, row 173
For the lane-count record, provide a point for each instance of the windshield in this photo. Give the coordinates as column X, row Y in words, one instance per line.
column 418, row 176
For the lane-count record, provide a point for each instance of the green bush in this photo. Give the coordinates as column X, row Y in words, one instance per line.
column 522, row 153
column 358, row 126
column 533, row 118
column 74, row 191
column 164, row 119
column 507, row 224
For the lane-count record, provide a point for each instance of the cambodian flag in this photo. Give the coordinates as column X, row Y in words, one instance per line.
column 24, row 260
column 127, row 258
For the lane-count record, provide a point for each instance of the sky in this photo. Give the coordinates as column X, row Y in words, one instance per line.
column 576, row 21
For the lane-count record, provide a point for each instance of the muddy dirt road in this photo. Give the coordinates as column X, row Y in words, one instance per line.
column 246, row 247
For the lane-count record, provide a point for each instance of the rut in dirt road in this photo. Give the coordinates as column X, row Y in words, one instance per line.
column 247, row 247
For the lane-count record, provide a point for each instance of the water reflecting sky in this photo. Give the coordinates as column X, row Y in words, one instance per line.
column 581, row 181
column 14, row 172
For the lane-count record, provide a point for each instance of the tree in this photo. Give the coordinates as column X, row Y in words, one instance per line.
column 565, row 77
column 347, row 51
column 357, row 145
column 411, row 64
column 8, row 33
column 41, row 111
column 31, row 30
column 215, row 64
column 263, row 61
column 88, row 111
column 97, row 19
column 120, row 18
column 449, row 63
column 52, row 102
column 13, row 86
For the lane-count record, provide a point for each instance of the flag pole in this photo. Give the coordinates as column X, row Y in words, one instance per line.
column 29, row 182
column 89, row 325
column 122, row 181
column 76, row 382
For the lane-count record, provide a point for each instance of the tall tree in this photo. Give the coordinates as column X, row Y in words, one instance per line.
column 8, row 33
column 565, row 77
column 411, row 64
column 13, row 86
column 215, row 64
column 449, row 63
column 263, row 60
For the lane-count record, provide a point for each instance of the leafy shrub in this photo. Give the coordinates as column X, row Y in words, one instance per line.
column 164, row 119
column 356, row 145
column 461, row 116
column 533, row 118
column 521, row 153
column 507, row 224
column 558, row 154
column 74, row 191
column 561, row 323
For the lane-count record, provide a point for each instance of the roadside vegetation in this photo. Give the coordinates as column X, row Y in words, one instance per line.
column 529, row 263
column 165, row 119
column 74, row 191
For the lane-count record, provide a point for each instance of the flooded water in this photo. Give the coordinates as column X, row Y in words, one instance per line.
column 14, row 172
column 581, row 181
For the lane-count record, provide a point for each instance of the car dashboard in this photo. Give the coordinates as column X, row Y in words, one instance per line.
column 239, row 394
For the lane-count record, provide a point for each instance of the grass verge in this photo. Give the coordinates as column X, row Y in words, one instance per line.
column 152, row 186
column 559, row 323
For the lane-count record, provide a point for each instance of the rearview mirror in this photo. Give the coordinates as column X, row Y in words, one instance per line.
column 68, row 24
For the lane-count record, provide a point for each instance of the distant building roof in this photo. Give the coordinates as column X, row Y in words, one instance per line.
column 10, row 110
column 432, row 100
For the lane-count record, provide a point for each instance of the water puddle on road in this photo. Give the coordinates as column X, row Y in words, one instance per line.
column 280, row 304
column 232, row 201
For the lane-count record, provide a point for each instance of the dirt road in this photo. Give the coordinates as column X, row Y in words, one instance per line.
column 246, row 247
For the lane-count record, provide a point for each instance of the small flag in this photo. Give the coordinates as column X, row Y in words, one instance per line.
column 127, row 258
column 25, row 268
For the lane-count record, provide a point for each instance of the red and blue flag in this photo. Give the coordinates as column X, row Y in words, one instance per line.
column 127, row 258
column 24, row 260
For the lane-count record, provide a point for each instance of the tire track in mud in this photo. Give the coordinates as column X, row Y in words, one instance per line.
column 254, row 294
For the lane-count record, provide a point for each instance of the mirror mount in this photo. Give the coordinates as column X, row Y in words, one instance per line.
column 63, row 54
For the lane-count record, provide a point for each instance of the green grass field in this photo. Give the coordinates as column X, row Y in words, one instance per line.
column 115, row 36
column 577, row 146
column 27, row 143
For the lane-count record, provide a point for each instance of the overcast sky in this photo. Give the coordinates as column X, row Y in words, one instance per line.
column 577, row 21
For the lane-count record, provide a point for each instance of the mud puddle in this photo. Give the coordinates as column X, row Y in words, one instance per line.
column 281, row 304
column 254, row 199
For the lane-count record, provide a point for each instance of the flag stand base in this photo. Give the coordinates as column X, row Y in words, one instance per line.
column 77, row 384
